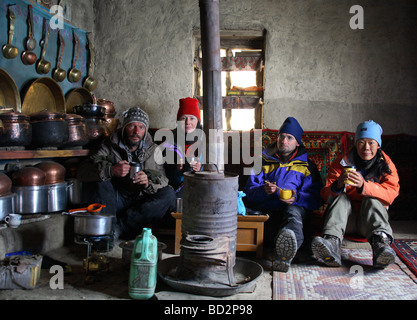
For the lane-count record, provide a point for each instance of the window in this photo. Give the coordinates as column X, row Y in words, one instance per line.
column 242, row 54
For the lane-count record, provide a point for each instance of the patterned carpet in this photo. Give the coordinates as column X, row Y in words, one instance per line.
column 355, row 280
column 407, row 251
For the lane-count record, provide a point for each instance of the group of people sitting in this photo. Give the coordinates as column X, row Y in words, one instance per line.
column 359, row 188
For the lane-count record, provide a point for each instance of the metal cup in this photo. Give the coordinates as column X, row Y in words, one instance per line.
column 179, row 205
column 134, row 168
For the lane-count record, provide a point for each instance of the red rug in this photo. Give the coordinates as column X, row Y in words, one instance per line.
column 406, row 250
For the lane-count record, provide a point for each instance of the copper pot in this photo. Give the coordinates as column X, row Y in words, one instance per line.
column 77, row 131
column 97, row 131
column 108, row 105
column 55, row 172
column 29, row 176
column 5, row 184
column 17, row 130
column 111, row 123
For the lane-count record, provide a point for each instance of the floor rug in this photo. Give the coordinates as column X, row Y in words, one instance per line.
column 355, row 280
column 406, row 250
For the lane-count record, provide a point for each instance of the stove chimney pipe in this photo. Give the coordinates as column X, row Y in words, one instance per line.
column 212, row 93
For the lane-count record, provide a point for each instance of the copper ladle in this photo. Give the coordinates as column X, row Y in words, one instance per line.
column 90, row 83
column 29, row 57
column 31, row 42
column 9, row 50
column 59, row 73
column 74, row 74
column 43, row 66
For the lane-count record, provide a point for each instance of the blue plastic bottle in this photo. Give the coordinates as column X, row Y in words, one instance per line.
column 143, row 272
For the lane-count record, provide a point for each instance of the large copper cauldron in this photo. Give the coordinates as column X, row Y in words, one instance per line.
column 29, row 176
column 54, row 172
column 5, row 184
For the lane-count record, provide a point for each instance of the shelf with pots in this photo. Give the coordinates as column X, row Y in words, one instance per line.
column 42, row 154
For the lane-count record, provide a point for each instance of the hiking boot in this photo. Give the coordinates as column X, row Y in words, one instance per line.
column 286, row 248
column 383, row 254
column 327, row 249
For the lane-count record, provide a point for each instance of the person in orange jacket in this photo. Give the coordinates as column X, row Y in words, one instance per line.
column 359, row 198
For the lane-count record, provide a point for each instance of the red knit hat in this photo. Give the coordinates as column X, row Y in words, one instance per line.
column 188, row 106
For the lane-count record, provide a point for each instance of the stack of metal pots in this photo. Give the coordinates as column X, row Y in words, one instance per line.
column 109, row 114
column 97, row 129
column 40, row 188
column 7, row 198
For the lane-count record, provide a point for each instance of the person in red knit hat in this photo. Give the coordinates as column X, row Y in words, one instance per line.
column 188, row 157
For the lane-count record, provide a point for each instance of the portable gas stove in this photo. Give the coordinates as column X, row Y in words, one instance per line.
column 98, row 248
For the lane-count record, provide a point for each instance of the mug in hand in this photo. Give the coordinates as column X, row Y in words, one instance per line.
column 135, row 167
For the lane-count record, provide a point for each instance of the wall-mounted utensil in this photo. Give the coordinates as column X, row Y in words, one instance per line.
column 90, row 82
column 59, row 73
column 31, row 41
column 74, row 74
column 28, row 56
column 9, row 50
column 43, row 66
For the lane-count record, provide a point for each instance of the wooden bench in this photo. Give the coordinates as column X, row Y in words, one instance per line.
column 250, row 233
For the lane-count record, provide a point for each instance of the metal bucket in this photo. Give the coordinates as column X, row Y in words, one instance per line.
column 31, row 199
column 57, row 197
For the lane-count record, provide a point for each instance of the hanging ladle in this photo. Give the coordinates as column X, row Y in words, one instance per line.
column 31, row 41
column 59, row 73
column 9, row 50
column 28, row 56
column 74, row 75
column 43, row 66
column 90, row 83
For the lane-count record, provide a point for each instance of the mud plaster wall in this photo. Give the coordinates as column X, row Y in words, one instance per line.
column 317, row 68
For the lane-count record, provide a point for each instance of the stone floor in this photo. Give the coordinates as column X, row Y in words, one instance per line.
column 113, row 285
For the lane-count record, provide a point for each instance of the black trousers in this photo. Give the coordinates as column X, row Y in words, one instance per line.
column 133, row 214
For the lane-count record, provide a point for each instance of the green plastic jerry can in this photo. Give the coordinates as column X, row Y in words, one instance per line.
column 143, row 272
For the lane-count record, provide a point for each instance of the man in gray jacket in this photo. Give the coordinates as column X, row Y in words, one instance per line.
column 137, row 202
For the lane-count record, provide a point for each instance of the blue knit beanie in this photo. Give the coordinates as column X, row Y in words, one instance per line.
column 292, row 127
column 369, row 129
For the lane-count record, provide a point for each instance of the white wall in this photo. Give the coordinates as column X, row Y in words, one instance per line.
column 318, row 69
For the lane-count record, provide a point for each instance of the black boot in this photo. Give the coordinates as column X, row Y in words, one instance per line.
column 285, row 248
column 383, row 254
column 327, row 250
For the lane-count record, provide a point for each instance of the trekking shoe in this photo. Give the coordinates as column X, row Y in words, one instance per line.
column 327, row 249
column 285, row 248
column 383, row 254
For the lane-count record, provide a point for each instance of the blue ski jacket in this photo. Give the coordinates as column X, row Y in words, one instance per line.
column 299, row 174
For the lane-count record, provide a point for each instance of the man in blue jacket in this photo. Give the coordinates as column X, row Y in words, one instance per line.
column 285, row 165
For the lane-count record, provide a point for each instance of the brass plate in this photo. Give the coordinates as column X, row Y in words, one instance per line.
column 78, row 97
column 43, row 94
column 9, row 93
